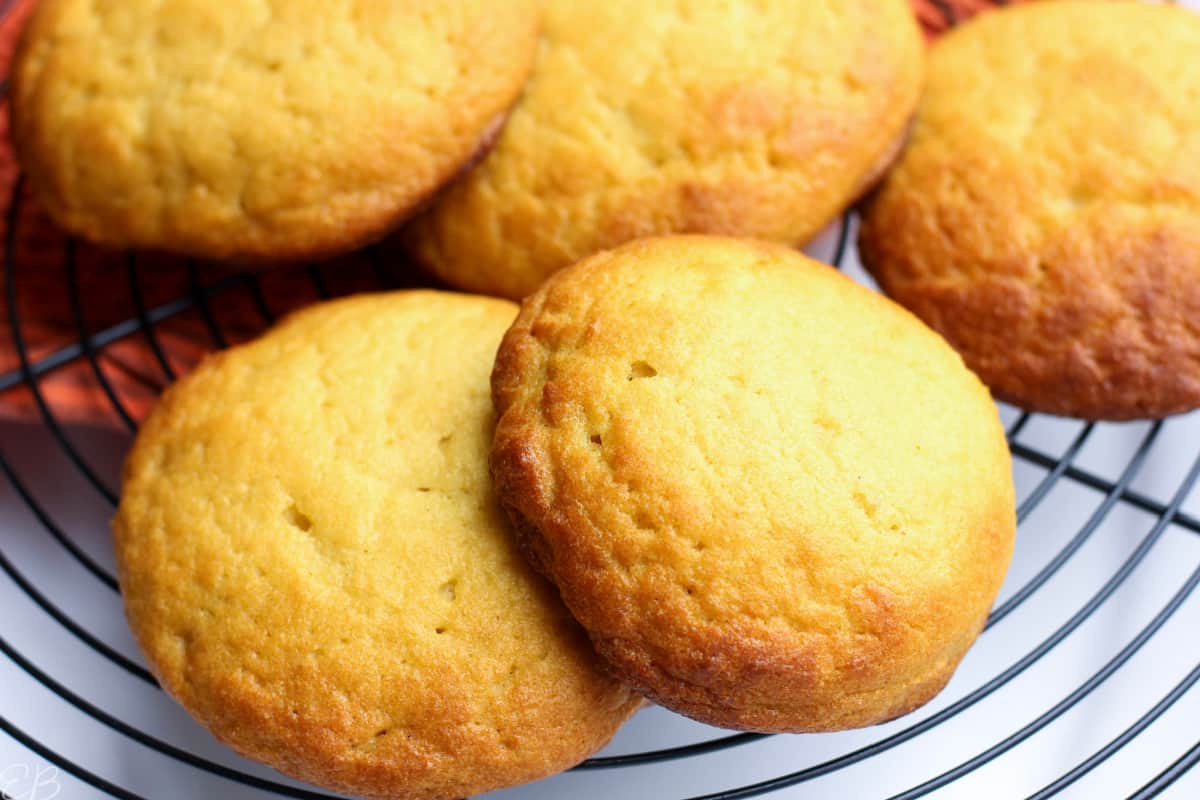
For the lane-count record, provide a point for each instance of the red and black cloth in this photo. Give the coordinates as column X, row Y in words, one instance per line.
column 56, row 305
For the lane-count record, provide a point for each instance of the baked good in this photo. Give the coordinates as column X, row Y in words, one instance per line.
column 259, row 131
column 1046, row 216
column 315, row 566
column 757, row 119
column 774, row 499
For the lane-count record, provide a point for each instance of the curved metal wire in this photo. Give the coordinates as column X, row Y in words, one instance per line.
column 1092, row 481
column 1169, row 775
column 85, row 340
column 1126, row 736
column 1101, row 675
column 1130, row 472
column 149, row 741
column 143, row 318
column 1057, row 468
column 199, row 299
column 1081, row 536
column 65, row 356
column 1018, row 425
column 988, row 688
column 88, row 563
column 74, row 628
column 843, row 241
column 14, row 321
column 201, row 303
column 1047, row 483
column 64, row 763
column 251, row 283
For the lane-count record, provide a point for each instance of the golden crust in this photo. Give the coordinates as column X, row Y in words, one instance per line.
column 1046, row 216
column 258, row 132
column 774, row 499
column 641, row 118
column 315, row 566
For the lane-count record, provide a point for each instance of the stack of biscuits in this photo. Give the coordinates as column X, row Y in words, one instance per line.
column 428, row 544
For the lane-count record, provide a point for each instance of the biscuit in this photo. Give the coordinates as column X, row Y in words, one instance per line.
column 1046, row 216
column 315, row 566
column 259, row 131
column 756, row 119
column 775, row 499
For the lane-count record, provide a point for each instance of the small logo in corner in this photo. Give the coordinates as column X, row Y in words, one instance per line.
column 29, row 782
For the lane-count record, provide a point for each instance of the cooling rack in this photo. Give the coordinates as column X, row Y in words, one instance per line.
column 1082, row 685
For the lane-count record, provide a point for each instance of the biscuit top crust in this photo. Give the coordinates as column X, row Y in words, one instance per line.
column 747, row 118
column 1046, row 214
column 314, row 563
column 755, row 482
column 258, row 129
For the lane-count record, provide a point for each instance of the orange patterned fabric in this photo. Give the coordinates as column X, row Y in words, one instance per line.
column 937, row 16
column 57, row 304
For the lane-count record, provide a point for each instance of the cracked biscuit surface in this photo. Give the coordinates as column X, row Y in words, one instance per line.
column 774, row 498
column 313, row 561
column 745, row 118
column 259, row 130
column 1046, row 214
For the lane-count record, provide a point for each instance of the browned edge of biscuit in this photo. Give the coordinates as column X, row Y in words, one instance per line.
column 367, row 235
column 1100, row 376
column 526, row 488
column 389, row 225
column 370, row 782
column 875, row 177
column 514, row 466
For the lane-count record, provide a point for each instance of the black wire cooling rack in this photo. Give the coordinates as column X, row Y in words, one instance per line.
column 1090, row 494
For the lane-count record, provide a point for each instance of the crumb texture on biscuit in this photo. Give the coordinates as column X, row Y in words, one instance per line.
column 1046, row 215
column 258, row 129
column 745, row 118
column 775, row 499
column 315, row 565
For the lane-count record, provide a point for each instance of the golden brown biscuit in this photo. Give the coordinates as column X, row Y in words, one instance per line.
column 1046, row 217
column 758, row 119
column 314, row 563
column 259, row 131
column 775, row 500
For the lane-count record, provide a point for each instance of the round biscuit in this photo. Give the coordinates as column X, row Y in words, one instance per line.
column 313, row 561
column 1046, row 216
column 774, row 498
column 761, row 119
column 259, row 131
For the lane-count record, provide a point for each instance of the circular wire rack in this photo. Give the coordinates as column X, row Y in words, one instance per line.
column 1107, row 565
